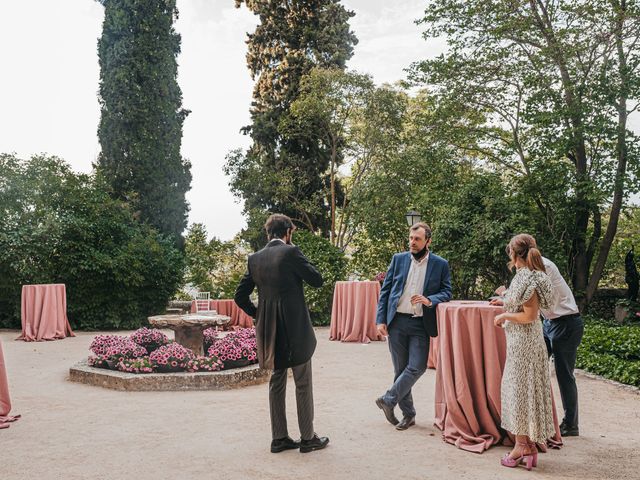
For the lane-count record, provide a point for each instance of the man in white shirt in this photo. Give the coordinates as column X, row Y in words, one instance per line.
column 416, row 282
column 563, row 329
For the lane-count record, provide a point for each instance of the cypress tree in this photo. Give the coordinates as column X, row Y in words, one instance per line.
column 140, row 129
column 280, row 171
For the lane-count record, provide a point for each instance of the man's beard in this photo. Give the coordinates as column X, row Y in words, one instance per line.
column 420, row 254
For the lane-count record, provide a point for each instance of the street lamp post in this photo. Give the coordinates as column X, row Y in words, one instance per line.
column 412, row 217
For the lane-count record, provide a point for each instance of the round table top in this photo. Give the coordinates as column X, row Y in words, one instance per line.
column 210, row 319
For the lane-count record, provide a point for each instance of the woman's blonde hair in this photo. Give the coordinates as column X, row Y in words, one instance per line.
column 524, row 246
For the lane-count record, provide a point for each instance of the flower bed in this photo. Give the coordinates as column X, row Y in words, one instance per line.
column 149, row 338
column 204, row 364
column 135, row 365
column 112, row 349
column 234, row 349
column 172, row 357
column 149, row 351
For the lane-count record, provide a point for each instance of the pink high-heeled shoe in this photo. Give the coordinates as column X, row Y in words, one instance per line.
column 528, row 459
column 534, row 447
column 507, row 461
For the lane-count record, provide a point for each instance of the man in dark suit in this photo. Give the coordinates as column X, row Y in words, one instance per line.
column 416, row 282
column 284, row 333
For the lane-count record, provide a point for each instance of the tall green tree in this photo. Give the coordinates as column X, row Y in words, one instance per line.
column 214, row 265
column 357, row 125
column 200, row 257
column 418, row 171
column 542, row 90
column 278, row 172
column 141, row 120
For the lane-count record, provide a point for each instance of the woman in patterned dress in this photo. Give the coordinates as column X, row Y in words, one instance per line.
column 526, row 386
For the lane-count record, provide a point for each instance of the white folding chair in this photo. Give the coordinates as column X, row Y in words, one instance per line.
column 202, row 302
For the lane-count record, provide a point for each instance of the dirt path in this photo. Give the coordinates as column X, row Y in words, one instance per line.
column 74, row 431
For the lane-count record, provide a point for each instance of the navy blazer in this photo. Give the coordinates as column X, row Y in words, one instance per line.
column 437, row 288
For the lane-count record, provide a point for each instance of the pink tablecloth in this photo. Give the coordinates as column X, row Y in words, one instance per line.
column 471, row 357
column 353, row 315
column 5, row 399
column 229, row 308
column 44, row 313
column 434, row 349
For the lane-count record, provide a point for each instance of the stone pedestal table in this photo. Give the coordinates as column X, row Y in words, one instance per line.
column 189, row 328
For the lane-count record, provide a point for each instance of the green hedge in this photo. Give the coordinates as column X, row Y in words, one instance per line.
column 611, row 351
column 57, row 226
column 331, row 263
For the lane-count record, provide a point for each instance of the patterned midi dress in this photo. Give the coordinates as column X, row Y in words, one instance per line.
column 526, row 385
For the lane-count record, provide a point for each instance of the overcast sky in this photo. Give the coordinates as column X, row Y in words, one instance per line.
column 49, row 82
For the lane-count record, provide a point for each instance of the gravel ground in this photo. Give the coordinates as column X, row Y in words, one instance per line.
column 73, row 431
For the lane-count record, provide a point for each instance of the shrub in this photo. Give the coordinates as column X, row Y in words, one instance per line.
column 57, row 226
column 611, row 351
column 331, row 263
column 620, row 341
column 213, row 265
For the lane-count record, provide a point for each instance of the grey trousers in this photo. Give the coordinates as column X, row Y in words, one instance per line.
column 304, row 401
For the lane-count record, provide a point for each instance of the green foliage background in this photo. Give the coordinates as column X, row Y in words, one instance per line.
column 140, row 128
column 331, row 263
column 57, row 226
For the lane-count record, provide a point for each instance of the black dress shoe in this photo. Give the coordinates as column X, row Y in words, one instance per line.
column 316, row 443
column 569, row 431
column 388, row 411
column 282, row 444
column 406, row 422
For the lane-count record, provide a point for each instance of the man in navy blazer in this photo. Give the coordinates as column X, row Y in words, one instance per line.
column 416, row 282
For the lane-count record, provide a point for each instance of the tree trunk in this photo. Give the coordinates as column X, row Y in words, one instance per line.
column 621, row 153
column 579, row 258
column 332, row 234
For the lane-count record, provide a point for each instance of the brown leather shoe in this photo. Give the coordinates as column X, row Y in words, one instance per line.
column 406, row 422
column 388, row 411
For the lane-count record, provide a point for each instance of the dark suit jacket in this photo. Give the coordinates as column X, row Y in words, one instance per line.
column 284, row 332
column 437, row 288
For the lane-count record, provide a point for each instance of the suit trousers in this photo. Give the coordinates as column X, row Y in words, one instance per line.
column 409, row 347
column 563, row 336
column 304, row 401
